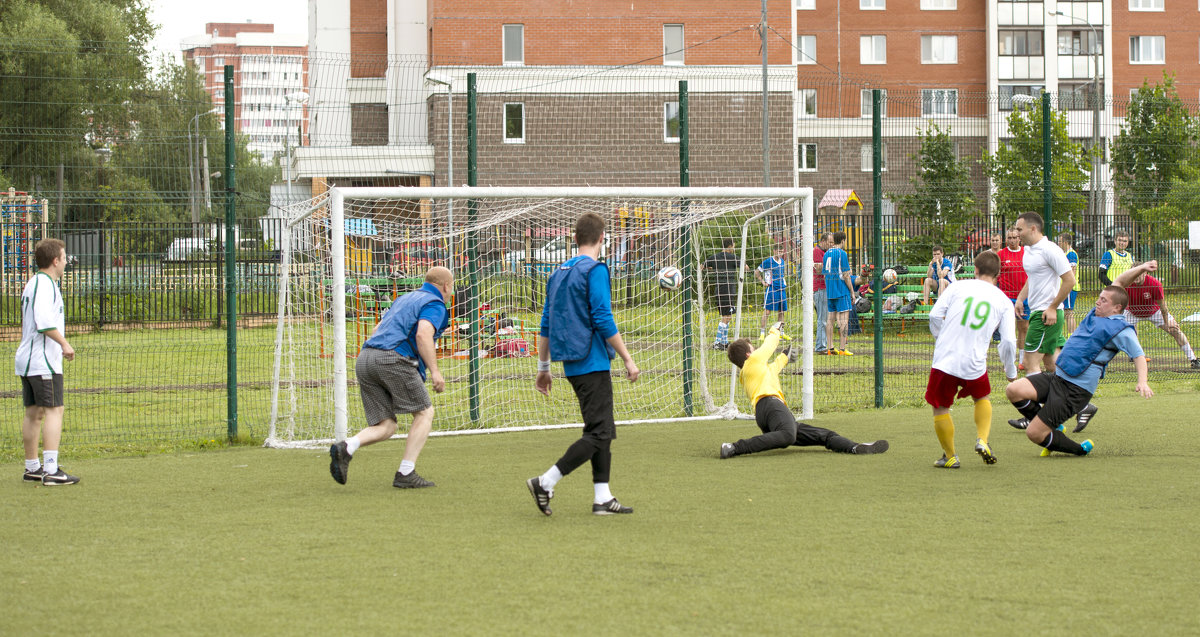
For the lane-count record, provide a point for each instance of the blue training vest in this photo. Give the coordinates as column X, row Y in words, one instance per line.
column 406, row 312
column 1089, row 339
column 571, row 328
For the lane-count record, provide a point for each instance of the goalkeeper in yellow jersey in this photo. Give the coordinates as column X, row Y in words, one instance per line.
column 760, row 379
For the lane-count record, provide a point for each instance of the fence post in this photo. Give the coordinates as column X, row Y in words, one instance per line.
column 230, row 259
column 686, row 249
column 877, row 203
column 472, row 210
column 103, row 275
column 1047, row 182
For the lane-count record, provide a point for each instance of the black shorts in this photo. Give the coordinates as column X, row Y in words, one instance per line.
column 725, row 298
column 1060, row 399
column 595, row 393
column 42, row 391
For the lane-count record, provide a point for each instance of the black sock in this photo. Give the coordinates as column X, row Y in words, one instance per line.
column 1028, row 408
column 1058, row 441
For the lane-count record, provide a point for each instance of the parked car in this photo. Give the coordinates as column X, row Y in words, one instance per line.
column 554, row 251
column 187, row 249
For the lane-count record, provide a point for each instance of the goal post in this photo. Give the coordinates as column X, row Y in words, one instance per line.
column 352, row 251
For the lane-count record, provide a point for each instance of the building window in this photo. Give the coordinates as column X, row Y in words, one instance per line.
column 1033, row 91
column 1078, row 96
column 872, row 49
column 671, row 122
column 939, row 49
column 806, row 49
column 867, row 157
column 808, row 102
column 807, row 159
column 1146, row 5
column 514, row 44
column 1079, row 43
column 868, row 108
column 1021, row 43
column 514, row 123
column 1147, row 49
column 873, row 5
column 939, row 101
column 672, row 44
column 938, row 5
column 1086, row 142
column 368, row 124
column 806, row 4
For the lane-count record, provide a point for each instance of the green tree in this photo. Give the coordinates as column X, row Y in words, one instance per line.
column 1016, row 168
column 1151, row 155
column 940, row 198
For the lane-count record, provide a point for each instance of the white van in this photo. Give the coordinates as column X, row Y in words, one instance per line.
column 186, row 249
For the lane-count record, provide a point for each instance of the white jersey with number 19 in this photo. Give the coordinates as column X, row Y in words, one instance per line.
column 963, row 320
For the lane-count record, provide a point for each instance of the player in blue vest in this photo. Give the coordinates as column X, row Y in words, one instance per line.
column 578, row 329
column 1049, row 399
column 391, row 377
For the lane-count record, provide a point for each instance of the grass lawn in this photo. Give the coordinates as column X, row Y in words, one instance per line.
column 798, row 541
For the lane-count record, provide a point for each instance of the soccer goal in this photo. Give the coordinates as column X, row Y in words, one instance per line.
column 348, row 254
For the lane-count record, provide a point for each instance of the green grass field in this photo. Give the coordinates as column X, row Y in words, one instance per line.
column 799, row 541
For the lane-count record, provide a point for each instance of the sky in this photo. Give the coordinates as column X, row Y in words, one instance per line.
column 178, row 19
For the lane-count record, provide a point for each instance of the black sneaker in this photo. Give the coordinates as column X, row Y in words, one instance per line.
column 727, row 450
column 34, row 476
column 1084, row 417
column 411, row 481
column 1195, row 364
column 866, row 448
column 609, row 508
column 339, row 462
column 57, row 478
column 541, row 496
column 1019, row 423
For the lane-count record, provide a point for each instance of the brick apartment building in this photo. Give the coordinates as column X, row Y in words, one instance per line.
column 267, row 68
column 553, row 110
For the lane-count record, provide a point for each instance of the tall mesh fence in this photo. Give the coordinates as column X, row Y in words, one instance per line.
column 120, row 158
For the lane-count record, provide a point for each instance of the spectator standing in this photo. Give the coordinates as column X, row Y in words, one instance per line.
column 820, row 297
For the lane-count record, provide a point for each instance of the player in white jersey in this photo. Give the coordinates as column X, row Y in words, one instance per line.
column 1049, row 284
column 963, row 321
column 39, row 364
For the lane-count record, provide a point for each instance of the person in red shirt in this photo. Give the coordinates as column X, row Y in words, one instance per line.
column 819, row 297
column 1012, row 279
column 1148, row 303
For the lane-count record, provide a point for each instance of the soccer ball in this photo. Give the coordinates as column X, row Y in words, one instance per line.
column 889, row 276
column 670, row 278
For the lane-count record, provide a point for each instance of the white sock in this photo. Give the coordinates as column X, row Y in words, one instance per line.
column 50, row 461
column 551, row 477
column 1187, row 351
column 33, row 465
column 352, row 445
column 407, row 467
column 602, row 493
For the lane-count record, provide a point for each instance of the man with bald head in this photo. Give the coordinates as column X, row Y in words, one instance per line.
column 391, row 377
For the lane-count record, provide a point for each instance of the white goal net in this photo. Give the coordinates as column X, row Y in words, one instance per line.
column 348, row 254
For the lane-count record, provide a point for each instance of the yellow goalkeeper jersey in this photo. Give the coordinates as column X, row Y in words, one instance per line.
column 760, row 378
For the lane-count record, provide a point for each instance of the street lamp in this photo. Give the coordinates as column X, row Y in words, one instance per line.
column 1094, row 178
column 434, row 77
column 300, row 98
column 192, row 157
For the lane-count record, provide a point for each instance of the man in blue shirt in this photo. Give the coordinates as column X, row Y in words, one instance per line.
column 840, row 294
column 772, row 273
column 1049, row 399
column 939, row 275
column 391, row 377
column 578, row 329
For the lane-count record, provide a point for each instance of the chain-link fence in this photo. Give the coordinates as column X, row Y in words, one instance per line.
column 127, row 160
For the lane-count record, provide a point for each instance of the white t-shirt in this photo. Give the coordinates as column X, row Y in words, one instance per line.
column 41, row 310
column 963, row 320
column 1045, row 263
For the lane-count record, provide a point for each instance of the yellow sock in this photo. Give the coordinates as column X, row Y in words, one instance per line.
column 983, row 418
column 943, row 425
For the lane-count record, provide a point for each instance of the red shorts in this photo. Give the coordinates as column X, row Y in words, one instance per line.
column 944, row 388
